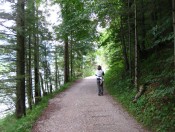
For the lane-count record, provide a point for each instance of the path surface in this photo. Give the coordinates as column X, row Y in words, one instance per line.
column 80, row 109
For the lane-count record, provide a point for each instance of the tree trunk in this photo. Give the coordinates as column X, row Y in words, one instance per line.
column 129, row 39
column 136, row 48
column 45, row 70
column 143, row 26
column 42, row 85
column 36, row 70
column 56, row 69
column 50, row 79
column 71, row 57
column 173, row 11
column 154, row 13
column 29, row 75
column 66, row 60
column 124, row 47
column 20, row 71
column 36, row 63
column 46, row 77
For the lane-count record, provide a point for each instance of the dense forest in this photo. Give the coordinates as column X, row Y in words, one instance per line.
column 45, row 44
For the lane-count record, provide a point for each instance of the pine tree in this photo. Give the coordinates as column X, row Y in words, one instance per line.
column 20, row 85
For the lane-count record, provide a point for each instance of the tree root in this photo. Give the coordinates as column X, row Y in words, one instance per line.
column 142, row 89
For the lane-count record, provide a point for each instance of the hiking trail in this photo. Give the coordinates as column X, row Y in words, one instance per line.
column 80, row 109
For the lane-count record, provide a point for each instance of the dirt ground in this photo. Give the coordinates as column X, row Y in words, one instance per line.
column 80, row 109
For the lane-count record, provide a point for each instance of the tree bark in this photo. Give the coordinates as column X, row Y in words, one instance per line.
column 143, row 26
column 154, row 13
column 136, row 47
column 124, row 47
column 56, row 69
column 36, row 70
column 36, row 63
column 46, row 73
column 71, row 57
column 173, row 12
column 20, row 71
column 66, row 60
column 45, row 70
column 129, row 39
column 29, row 75
column 50, row 79
column 42, row 84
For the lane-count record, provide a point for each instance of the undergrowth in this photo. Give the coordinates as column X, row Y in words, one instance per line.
column 25, row 124
column 155, row 109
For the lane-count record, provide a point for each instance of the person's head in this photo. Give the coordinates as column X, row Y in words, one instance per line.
column 99, row 67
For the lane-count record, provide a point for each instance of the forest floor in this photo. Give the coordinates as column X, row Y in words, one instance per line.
column 80, row 109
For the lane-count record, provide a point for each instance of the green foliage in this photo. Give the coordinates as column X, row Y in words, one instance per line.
column 158, row 33
column 2, row 37
column 25, row 124
column 88, row 72
column 80, row 30
column 154, row 109
column 110, row 48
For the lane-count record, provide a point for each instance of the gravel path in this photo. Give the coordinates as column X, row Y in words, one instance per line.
column 80, row 109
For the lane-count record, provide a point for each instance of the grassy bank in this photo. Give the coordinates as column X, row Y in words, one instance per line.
column 155, row 109
column 11, row 124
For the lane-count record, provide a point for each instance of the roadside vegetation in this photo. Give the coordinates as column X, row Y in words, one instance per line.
column 155, row 108
column 139, row 48
column 25, row 124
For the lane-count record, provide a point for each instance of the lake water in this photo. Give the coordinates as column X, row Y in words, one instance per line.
column 5, row 110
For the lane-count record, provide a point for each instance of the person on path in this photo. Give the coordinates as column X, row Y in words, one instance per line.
column 99, row 74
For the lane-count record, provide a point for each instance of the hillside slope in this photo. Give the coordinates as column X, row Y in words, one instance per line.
column 156, row 106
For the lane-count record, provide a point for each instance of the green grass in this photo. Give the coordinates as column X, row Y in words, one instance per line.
column 25, row 124
column 153, row 114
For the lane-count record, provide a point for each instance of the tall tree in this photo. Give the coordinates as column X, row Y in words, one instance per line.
column 66, row 13
column 75, row 30
column 124, row 46
column 36, row 62
column 66, row 60
column 20, row 85
column 173, row 11
column 56, row 68
column 129, row 38
column 29, row 39
column 29, row 74
column 143, row 25
column 136, row 45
